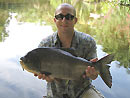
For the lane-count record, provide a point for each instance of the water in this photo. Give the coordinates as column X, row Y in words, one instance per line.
column 120, row 80
column 16, row 83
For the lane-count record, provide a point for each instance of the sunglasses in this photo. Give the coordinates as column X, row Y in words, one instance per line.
column 67, row 17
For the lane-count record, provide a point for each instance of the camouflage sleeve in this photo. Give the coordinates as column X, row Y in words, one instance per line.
column 92, row 52
column 42, row 43
column 46, row 42
column 90, row 48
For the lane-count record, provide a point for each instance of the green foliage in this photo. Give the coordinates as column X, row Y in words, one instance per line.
column 3, row 20
column 124, row 2
column 113, row 32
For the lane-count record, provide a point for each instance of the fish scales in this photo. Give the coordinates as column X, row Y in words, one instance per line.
column 73, row 66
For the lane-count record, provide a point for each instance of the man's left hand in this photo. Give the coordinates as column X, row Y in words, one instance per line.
column 91, row 72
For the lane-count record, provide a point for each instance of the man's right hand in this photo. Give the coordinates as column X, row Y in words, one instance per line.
column 44, row 77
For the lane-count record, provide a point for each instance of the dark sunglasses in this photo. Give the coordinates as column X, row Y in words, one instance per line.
column 67, row 17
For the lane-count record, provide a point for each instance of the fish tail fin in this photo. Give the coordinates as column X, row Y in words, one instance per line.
column 104, row 69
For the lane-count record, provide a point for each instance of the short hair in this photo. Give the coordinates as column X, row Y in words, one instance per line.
column 66, row 4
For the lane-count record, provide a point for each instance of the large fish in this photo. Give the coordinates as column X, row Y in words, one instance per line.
column 62, row 63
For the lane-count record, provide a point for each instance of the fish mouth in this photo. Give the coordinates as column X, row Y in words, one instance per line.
column 22, row 63
column 24, row 66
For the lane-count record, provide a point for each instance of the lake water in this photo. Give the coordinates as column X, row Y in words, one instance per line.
column 16, row 83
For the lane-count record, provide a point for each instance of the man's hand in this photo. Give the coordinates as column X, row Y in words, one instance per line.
column 44, row 77
column 91, row 72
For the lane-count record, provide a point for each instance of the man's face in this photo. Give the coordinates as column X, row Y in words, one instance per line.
column 65, row 19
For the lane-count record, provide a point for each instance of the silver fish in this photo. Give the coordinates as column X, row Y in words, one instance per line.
column 62, row 63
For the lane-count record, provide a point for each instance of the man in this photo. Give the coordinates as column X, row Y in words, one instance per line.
column 85, row 47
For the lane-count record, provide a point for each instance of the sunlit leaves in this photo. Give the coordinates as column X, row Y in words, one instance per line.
column 3, row 20
column 113, row 32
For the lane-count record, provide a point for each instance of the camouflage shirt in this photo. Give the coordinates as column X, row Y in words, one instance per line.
column 85, row 47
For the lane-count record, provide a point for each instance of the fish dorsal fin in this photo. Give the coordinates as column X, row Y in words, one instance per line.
column 70, row 50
